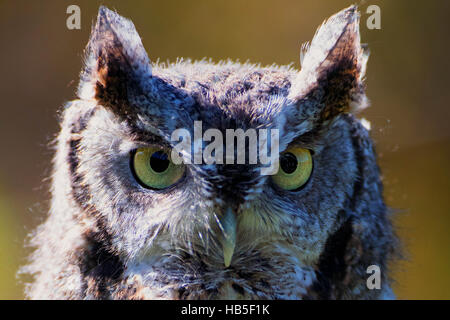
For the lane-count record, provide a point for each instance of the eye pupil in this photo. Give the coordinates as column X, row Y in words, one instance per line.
column 288, row 162
column 159, row 161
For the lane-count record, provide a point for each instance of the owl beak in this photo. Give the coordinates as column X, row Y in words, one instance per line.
column 228, row 225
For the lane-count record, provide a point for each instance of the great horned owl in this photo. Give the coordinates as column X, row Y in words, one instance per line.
column 126, row 222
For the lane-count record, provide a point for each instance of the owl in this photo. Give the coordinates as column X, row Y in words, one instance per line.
column 127, row 221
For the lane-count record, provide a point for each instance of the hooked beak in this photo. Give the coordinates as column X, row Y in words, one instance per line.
column 229, row 226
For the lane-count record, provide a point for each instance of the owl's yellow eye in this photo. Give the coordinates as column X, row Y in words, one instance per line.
column 295, row 168
column 153, row 168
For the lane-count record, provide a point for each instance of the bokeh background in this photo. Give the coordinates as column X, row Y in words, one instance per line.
column 407, row 80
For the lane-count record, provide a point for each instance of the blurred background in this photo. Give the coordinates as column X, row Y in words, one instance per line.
column 407, row 81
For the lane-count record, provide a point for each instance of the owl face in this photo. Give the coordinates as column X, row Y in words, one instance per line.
column 208, row 230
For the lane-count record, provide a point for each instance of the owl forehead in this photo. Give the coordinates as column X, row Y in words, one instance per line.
column 230, row 95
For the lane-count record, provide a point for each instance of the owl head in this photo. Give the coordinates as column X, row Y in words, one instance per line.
column 135, row 223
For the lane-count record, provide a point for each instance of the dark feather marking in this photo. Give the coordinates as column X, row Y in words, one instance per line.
column 238, row 288
column 332, row 265
column 333, row 261
column 100, row 266
column 360, row 159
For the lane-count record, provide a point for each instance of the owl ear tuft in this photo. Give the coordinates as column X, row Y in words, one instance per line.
column 333, row 67
column 116, row 61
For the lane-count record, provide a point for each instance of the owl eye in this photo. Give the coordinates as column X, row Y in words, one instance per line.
column 295, row 168
column 153, row 168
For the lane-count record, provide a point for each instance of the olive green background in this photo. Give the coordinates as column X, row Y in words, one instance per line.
column 407, row 80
